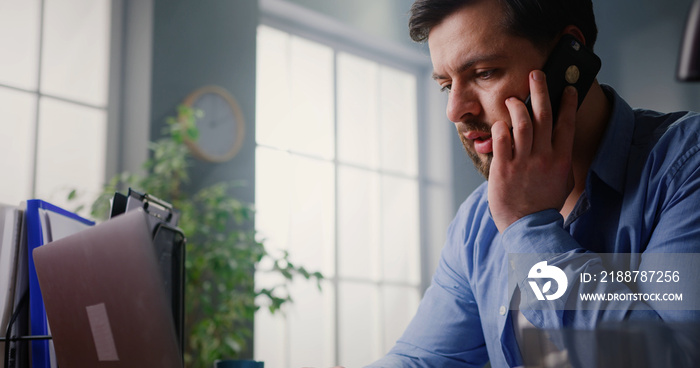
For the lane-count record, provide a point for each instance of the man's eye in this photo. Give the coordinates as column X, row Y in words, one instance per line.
column 486, row 74
column 446, row 88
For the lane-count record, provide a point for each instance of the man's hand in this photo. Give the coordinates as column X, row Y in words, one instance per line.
column 532, row 171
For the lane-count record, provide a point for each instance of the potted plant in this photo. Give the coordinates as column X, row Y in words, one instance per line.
column 222, row 251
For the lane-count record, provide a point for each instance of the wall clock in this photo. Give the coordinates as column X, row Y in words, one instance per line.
column 221, row 128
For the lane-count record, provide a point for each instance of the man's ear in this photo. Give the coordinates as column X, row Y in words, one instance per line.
column 576, row 32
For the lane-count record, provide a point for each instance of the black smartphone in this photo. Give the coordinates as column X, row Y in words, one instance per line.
column 570, row 64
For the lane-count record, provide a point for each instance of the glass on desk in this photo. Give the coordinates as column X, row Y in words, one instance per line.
column 230, row 363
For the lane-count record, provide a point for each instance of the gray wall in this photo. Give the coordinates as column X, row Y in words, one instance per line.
column 639, row 45
column 198, row 43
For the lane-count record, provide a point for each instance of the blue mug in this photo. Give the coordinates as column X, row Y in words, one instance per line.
column 230, row 363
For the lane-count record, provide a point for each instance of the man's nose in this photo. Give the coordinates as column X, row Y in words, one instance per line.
column 461, row 103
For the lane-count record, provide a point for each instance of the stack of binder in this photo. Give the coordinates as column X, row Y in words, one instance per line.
column 23, row 323
column 39, row 222
column 11, row 219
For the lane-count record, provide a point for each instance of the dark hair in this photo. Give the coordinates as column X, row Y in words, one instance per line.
column 539, row 21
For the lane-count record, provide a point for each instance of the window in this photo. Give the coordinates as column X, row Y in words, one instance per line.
column 338, row 186
column 53, row 94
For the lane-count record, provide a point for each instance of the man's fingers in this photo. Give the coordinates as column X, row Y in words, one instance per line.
column 522, row 128
column 502, row 145
column 541, row 109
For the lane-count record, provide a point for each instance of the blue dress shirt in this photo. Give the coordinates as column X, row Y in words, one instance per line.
column 642, row 195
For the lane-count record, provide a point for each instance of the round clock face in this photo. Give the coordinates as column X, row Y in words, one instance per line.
column 221, row 126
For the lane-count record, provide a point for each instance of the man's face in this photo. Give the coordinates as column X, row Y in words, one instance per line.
column 480, row 65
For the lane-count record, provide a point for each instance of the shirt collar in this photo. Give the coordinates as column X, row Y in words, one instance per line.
column 610, row 162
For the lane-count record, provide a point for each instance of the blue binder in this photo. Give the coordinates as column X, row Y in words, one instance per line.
column 41, row 229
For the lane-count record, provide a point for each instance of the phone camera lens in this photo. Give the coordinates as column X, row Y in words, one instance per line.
column 575, row 45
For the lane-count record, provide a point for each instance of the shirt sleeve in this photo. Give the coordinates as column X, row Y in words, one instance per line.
column 446, row 330
column 669, row 225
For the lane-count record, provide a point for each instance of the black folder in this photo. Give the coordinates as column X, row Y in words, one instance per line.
column 168, row 243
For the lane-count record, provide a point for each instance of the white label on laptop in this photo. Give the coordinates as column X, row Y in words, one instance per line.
column 102, row 333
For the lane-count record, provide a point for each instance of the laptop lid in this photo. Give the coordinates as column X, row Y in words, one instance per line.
column 104, row 297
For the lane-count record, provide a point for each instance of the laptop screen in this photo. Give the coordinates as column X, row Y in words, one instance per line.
column 104, row 297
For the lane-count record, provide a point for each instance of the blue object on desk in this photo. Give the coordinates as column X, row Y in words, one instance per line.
column 228, row 363
column 45, row 223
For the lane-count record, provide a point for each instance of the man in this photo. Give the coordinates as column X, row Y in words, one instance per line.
column 600, row 179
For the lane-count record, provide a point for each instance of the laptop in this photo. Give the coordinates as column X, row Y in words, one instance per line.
column 104, row 297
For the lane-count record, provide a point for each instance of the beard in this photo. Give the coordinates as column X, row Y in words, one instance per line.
column 482, row 165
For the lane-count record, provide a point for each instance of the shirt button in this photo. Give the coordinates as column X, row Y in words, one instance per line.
column 502, row 310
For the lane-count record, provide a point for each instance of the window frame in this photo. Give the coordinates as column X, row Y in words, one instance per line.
column 112, row 102
column 298, row 21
